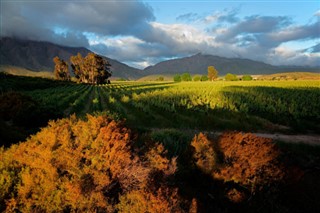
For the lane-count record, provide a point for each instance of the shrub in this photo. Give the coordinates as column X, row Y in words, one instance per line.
column 196, row 78
column 76, row 165
column 204, row 78
column 230, row 77
column 203, row 154
column 141, row 201
column 177, row 78
column 186, row 77
column 247, row 160
column 247, row 78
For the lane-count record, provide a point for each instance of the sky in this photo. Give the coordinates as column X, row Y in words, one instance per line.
column 143, row 33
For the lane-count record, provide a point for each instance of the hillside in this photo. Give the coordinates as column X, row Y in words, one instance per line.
column 25, row 72
column 198, row 64
column 37, row 56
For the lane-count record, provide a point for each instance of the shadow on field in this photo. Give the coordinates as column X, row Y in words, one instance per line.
column 298, row 108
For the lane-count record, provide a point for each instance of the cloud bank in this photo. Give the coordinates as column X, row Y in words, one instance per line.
column 129, row 32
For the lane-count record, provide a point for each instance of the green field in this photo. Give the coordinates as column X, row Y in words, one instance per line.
column 205, row 105
column 267, row 106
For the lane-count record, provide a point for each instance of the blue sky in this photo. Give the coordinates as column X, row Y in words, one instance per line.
column 142, row 33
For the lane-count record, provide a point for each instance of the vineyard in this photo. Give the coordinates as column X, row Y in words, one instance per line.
column 205, row 105
column 248, row 106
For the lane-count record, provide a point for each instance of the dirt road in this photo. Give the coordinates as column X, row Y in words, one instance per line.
column 305, row 139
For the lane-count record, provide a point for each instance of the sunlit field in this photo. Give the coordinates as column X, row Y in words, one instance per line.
column 202, row 105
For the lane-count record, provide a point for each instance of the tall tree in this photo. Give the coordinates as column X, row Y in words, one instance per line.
column 61, row 70
column 212, row 73
column 91, row 69
column 77, row 66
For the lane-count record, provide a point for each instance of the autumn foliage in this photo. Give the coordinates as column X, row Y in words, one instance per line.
column 83, row 166
column 246, row 160
column 99, row 165
column 61, row 71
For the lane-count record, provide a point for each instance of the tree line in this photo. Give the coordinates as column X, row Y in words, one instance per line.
column 212, row 75
column 92, row 69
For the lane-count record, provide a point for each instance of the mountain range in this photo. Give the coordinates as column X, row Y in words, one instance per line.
column 198, row 64
column 37, row 56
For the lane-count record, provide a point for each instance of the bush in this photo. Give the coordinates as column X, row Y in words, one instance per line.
column 247, row 78
column 204, row 78
column 230, row 77
column 203, row 154
column 186, row 77
column 177, row 78
column 247, row 160
column 196, row 78
column 81, row 166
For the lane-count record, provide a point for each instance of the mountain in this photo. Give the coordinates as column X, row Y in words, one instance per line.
column 198, row 64
column 37, row 56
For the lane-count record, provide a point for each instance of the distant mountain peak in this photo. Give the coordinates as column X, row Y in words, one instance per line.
column 198, row 64
column 38, row 55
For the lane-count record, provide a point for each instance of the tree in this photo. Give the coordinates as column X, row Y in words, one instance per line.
column 186, row 77
column 92, row 69
column 61, row 71
column 197, row 78
column 204, row 78
column 177, row 78
column 212, row 73
column 247, row 78
column 230, row 77
column 77, row 66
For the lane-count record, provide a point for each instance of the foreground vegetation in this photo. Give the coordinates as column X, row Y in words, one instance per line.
column 143, row 150
column 98, row 165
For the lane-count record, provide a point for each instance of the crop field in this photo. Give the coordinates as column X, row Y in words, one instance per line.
column 205, row 105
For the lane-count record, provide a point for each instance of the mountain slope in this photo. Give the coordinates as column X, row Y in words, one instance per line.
column 37, row 56
column 198, row 64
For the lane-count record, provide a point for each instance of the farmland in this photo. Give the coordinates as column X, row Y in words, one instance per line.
column 162, row 119
column 206, row 105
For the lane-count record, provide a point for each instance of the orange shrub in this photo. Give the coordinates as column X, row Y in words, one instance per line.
column 163, row 201
column 76, row 165
column 156, row 157
column 247, row 160
column 203, row 153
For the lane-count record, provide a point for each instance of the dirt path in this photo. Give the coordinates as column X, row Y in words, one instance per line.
column 305, row 139
column 310, row 139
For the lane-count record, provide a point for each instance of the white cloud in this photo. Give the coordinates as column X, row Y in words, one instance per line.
column 126, row 31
